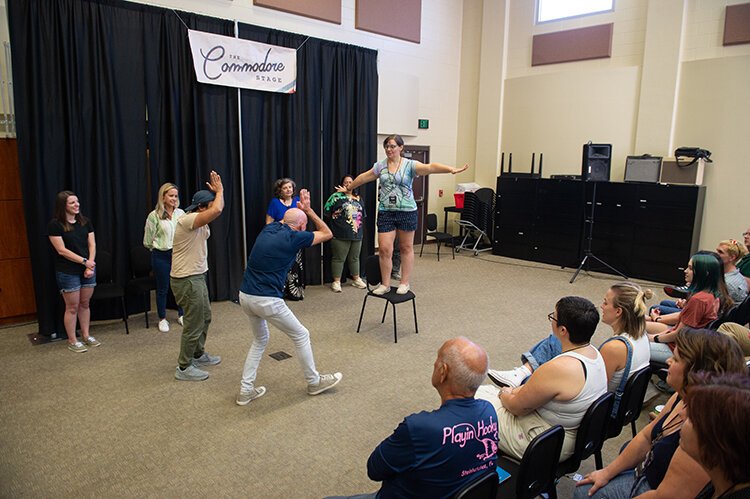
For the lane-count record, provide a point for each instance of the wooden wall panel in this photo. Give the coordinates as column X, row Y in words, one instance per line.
column 400, row 19
column 592, row 42
column 324, row 10
column 16, row 288
column 737, row 24
column 10, row 181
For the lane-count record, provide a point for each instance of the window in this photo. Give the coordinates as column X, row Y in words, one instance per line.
column 553, row 10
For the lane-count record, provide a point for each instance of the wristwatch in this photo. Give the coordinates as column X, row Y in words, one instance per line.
column 656, row 339
column 84, row 261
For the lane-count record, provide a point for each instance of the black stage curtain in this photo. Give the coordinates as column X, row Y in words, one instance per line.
column 193, row 128
column 82, row 98
column 300, row 136
column 350, row 107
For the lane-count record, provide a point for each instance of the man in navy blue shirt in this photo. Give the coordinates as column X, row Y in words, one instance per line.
column 434, row 454
column 262, row 291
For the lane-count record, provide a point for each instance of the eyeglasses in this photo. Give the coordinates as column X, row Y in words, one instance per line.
column 391, row 146
column 745, row 234
column 551, row 317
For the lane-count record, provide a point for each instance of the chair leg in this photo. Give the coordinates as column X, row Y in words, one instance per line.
column 438, row 250
column 124, row 315
column 416, row 326
column 453, row 250
column 632, row 428
column 384, row 311
column 145, row 307
column 598, row 459
column 362, row 313
column 395, row 328
column 422, row 248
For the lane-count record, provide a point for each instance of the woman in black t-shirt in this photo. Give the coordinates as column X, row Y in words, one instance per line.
column 72, row 237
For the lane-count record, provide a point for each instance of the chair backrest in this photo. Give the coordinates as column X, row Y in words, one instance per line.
column 483, row 487
column 590, row 435
column 372, row 270
column 140, row 261
column 431, row 222
column 103, row 266
column 631, row 401
column 536, row 474
column 740, row 313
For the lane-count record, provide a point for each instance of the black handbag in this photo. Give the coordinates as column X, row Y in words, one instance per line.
column 695, row 153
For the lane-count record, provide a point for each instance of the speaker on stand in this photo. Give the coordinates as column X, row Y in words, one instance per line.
column 597, row 162
column 597, row 159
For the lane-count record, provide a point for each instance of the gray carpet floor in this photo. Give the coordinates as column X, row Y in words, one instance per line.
column 113, row 422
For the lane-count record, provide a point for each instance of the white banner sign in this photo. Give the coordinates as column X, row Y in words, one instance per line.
column 231, row 62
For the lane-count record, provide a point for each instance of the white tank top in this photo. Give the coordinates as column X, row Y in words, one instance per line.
column 641, row 358
column 569, row 414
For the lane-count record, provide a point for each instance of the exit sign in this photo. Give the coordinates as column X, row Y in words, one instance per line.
column 424, row 124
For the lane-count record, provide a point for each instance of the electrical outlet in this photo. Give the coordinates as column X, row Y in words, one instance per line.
column 440, row 193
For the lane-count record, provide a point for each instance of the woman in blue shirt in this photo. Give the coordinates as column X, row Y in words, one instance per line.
column 283, row 199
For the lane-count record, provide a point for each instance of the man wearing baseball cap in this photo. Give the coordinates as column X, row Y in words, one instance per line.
column 188, row 279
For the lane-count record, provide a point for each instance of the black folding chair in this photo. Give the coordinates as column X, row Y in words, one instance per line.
column 440, row 237
column 535, row 473
column 372, row 272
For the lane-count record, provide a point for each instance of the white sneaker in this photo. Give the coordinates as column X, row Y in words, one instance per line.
column 327, row 381
column 359, row 283
column 336, row 286
column 179, row 320
column 381, row 290
column 164, row 326
column 402, row 289
column 512, row 378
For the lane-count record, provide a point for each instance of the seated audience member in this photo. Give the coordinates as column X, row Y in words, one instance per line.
column 707, row 291
column 434, row 454
column 652, row 461
column 558, row 391
column 715, row 433
column 624, row 310
column 738, row 333
column 744, row 264
column 731, row 252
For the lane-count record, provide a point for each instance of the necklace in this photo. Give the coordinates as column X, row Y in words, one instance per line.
column 398, row 166
column 576, row 348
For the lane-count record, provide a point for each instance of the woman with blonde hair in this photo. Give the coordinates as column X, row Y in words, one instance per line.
column 158, row 234
column 624, row 310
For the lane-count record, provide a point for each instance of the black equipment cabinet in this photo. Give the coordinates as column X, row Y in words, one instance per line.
column 648, row 231
column 538, row 220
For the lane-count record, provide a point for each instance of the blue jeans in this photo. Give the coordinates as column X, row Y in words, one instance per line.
column 161, row 263
column 545, row 350
column 70, row 283
column 667, row 307
column 623, row 486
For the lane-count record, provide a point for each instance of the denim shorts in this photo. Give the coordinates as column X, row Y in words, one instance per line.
column 70, row 283
column 388, row 221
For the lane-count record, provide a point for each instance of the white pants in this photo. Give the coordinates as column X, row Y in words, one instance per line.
column 264, row 309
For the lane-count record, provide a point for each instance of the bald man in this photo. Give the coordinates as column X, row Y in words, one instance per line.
column 434, row 454
column 262, row 291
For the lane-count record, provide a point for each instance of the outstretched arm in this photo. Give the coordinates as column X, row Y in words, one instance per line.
column 322, row 233
column 426, row 169
column 361, row 179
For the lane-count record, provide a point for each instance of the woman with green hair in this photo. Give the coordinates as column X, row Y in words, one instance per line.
column 706, row 295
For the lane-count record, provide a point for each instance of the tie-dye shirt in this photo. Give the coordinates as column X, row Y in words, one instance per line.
column 344, row 217
column 395, row 188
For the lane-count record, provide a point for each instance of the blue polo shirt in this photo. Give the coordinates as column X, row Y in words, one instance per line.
column 271, row 258
column 434, row 454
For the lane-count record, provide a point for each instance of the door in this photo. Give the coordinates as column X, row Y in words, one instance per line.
column 420, row 186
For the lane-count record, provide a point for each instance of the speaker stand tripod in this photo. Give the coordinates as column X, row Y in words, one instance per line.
column 587, row 253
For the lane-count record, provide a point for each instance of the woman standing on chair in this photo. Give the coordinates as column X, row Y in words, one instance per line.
column 397, row 208
column 72, row 237
column 283, row 199
column 157, row 237
column 345, row 216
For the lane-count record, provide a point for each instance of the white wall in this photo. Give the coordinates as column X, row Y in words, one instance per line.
column 669, row 83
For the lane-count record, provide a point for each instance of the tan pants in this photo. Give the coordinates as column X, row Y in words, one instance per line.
column 741, row 334
column 515, row 433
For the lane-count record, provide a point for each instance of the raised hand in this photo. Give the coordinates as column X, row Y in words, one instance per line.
column 304, row 200
column 459, row 170
column 214, row 184
column 341, row 189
